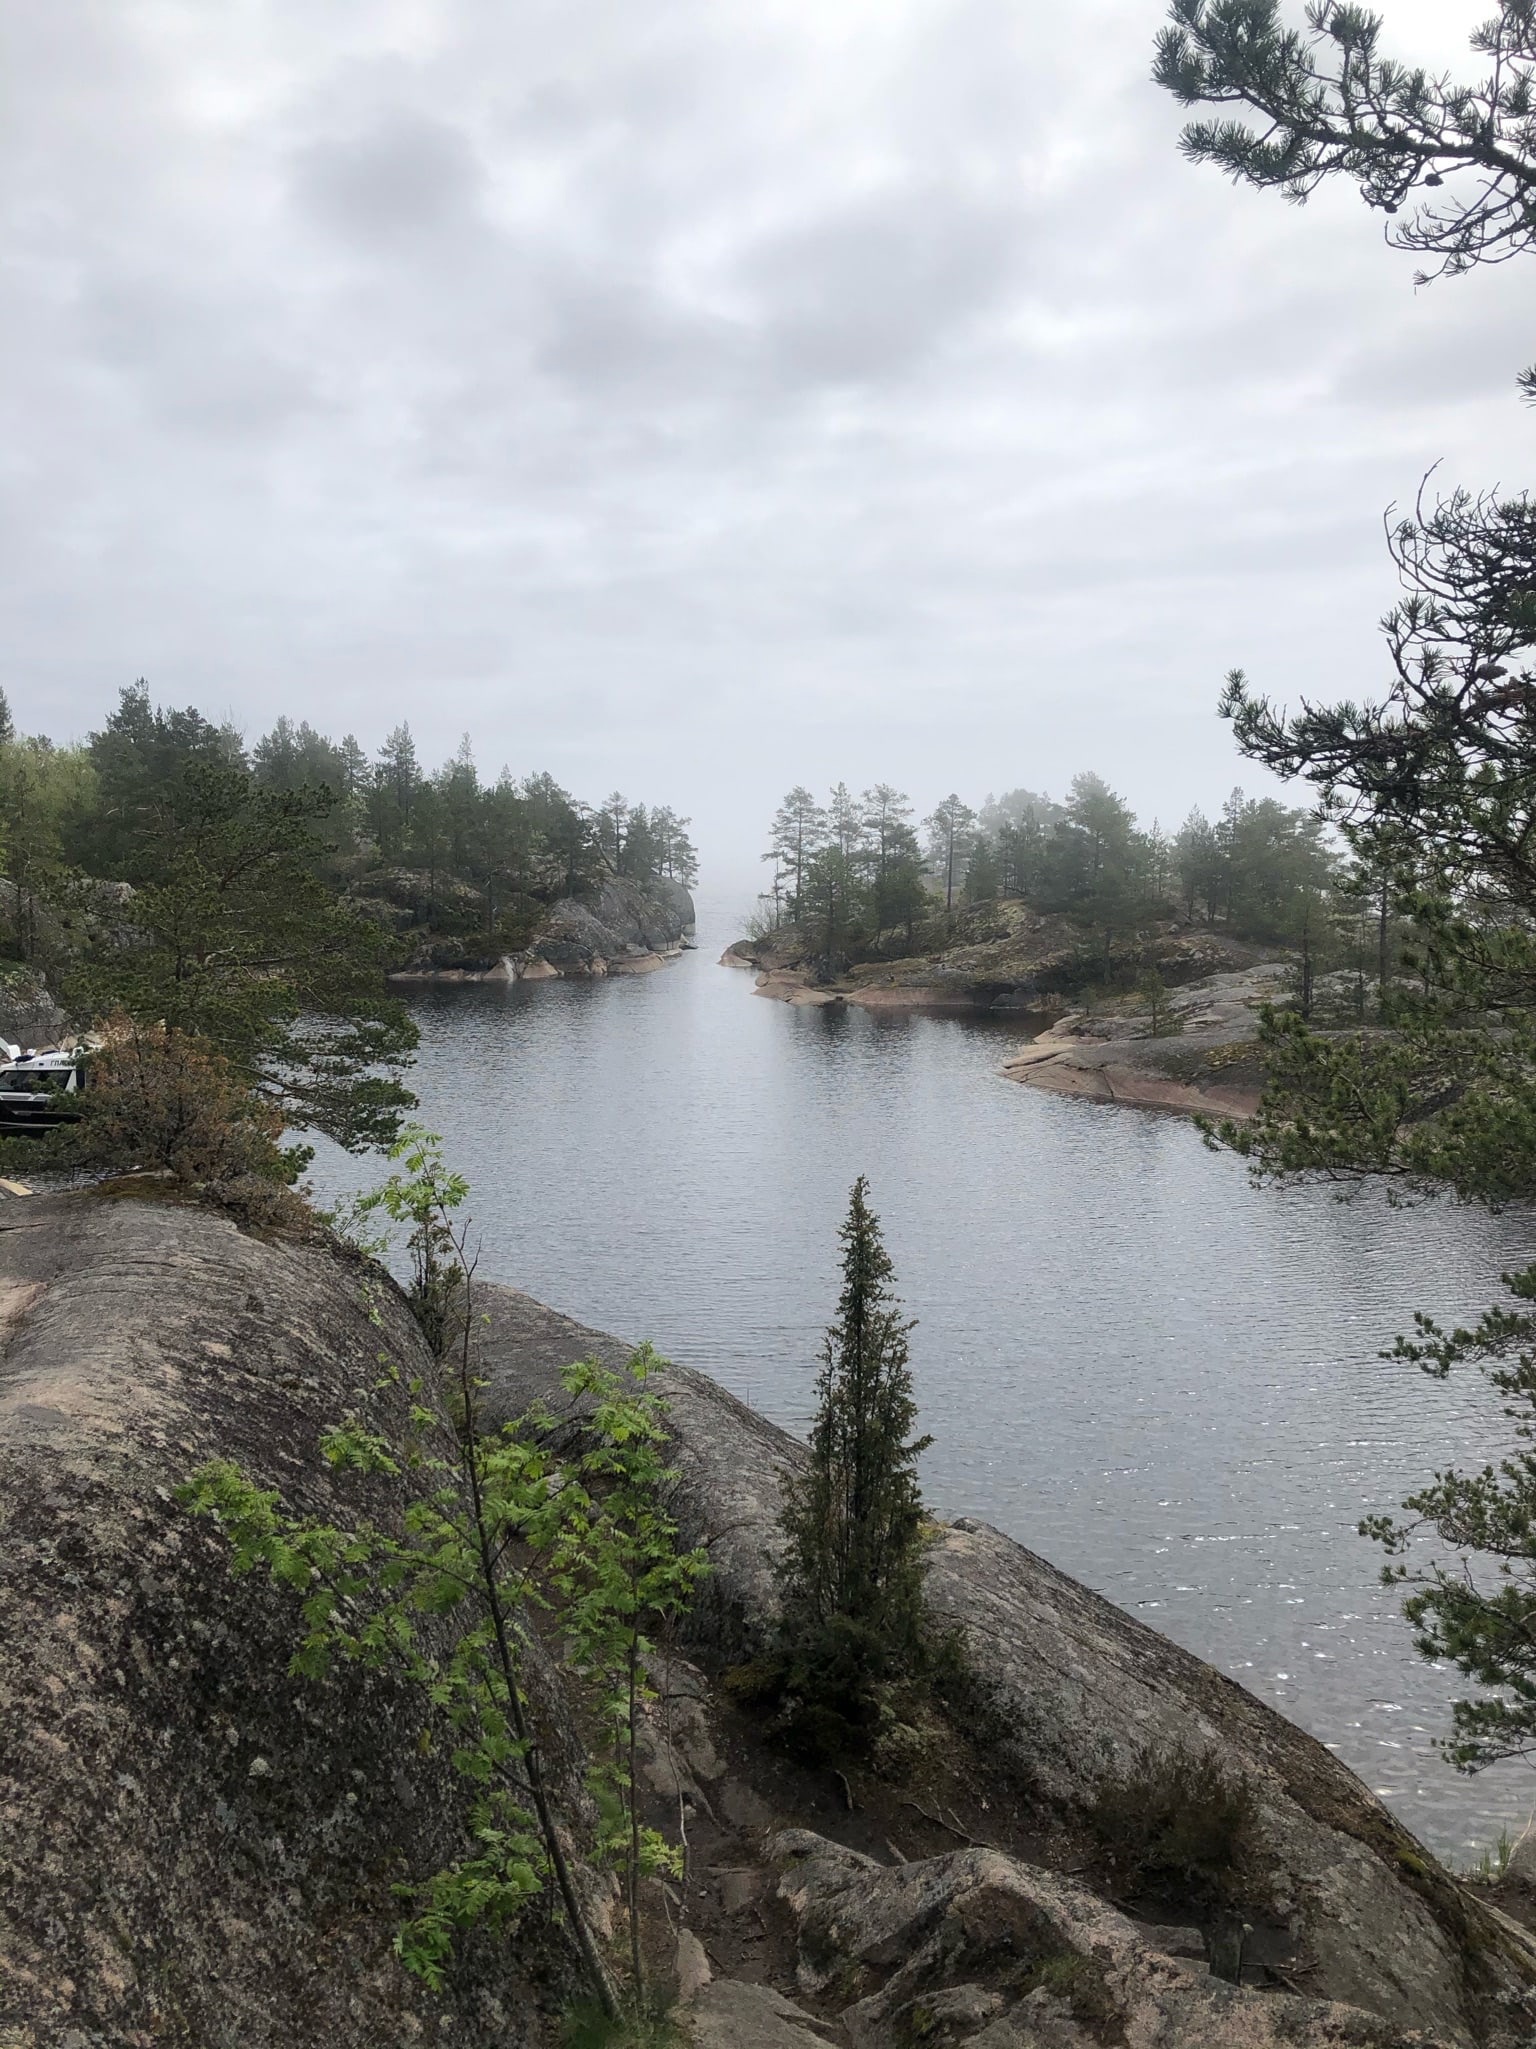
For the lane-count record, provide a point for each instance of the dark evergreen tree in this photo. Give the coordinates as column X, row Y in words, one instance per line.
column 799, row 831
column 1433, row 785
column 396, row 781
column 830, row 908
column 140, row 757
column 677, row 857
column 1325, row 101
column 853, row 1518
column 613, row 823
column 983, row 875
column 886, row 836
column 950, row 826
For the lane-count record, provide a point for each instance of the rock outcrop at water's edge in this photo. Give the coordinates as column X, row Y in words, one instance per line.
column 196, row 1849
column 1209, row 1064
column 1075, row 1692
column 997, row 956
column 624, row 929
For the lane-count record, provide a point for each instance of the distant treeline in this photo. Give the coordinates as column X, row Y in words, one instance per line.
column 857, row 873
column 448, row 849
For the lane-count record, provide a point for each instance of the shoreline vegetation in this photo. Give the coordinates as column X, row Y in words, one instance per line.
column 222, row 933
column 1145, row 960
column 418, row 874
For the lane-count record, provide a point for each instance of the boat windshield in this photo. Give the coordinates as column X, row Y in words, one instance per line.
column 34, row 1081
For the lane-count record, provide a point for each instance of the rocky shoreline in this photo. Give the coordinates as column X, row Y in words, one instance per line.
column 200, row 1847
column 1206, row 1061
column 1200, row 1058
column 626, row 929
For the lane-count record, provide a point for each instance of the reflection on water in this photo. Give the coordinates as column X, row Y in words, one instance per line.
column 1164, row 1380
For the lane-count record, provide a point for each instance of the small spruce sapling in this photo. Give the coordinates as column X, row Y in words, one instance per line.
column 1163, row 1021
column 852, row 1518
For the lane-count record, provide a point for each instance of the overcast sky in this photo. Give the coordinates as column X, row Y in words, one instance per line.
column 698, row 396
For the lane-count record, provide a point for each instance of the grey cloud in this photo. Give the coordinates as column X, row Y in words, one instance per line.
column 195, row 362
column 404, row 177
column 696, row 397
column 868, row 289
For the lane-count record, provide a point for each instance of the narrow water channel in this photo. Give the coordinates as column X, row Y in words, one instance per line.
column 1161, row 1378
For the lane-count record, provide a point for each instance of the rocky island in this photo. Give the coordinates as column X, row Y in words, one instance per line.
column 200, row 1847
column 1191, row 1047
column 998, row 956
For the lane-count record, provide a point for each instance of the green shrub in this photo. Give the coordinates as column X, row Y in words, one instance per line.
column 1179, row 1823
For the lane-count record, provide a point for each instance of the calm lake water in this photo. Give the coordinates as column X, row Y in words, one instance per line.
column 1162, row 1379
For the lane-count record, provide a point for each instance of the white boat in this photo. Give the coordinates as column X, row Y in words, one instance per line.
column 38, row 1089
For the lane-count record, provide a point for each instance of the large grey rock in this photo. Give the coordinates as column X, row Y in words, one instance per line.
column 731, row 2014
column 29, row 1016
column 197, row 1849
column 1078, row 1690
column 930, row 1951
column 1074, row 1691
column 622, row 923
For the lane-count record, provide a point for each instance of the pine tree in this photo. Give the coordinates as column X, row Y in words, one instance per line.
column 983, row 877
column 852, row 1518
column 799, row 831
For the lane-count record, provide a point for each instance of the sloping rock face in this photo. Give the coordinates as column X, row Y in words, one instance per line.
column 1211, row 1063
column 626, row 928
column 623, row 927
column 1073, row 1693
column 1078, row 1690
column 730, row 1461
column 195, row 1848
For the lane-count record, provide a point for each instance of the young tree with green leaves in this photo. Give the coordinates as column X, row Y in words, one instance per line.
column 497, row 1525
column 44, row 792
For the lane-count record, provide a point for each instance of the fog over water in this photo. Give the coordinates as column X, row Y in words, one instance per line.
column 1162, row 1379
